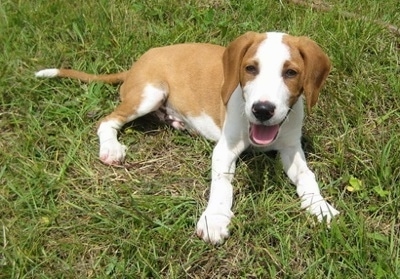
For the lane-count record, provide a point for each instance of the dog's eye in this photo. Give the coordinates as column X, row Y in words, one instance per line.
column 290, row 73
column 251, row 69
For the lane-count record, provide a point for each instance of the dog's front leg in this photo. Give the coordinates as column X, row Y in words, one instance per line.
column 213, row 223
column 296, row 168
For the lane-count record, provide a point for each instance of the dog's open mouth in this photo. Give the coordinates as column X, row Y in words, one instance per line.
column 262, row 134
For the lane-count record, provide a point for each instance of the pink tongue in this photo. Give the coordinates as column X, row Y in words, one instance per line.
column 263, row 135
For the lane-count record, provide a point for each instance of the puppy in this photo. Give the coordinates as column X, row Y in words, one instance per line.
column 247, row 94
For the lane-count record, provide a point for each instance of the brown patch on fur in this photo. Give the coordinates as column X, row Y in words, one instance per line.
column 190, row 74
column 312, row 65
column 238, row 53
column 295, row 84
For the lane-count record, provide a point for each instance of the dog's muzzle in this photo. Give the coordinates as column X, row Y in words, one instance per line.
column 261, row 134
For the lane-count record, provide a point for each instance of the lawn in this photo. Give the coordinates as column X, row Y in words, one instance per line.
column 63, row 214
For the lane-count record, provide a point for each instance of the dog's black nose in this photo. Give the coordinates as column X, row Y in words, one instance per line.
column 263, row 110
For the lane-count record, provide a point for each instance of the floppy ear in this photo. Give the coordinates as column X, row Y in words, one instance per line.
column 232, row 59
column 317, row 67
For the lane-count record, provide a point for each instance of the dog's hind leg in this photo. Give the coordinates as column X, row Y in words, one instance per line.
column 133, row 105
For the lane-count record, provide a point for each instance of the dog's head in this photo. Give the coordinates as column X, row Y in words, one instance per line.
column 273, row 70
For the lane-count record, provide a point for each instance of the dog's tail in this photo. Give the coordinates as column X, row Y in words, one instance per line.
column 85, row 77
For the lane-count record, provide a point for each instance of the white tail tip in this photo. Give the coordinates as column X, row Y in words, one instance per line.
column 47, row 73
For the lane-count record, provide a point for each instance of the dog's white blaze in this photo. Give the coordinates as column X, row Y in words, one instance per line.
column 269, row 84
column 47, row 73
column 204, row 125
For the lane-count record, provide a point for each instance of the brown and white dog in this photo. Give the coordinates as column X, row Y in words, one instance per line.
column 247, row 94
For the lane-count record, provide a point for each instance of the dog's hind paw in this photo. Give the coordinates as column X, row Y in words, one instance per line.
column 112, row 153
column 213, row 227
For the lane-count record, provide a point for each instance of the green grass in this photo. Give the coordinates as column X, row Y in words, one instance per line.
column 65, row 215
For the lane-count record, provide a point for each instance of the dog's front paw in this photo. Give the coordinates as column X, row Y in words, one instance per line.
column 112, row 152
column 320, row 208
column 213, row 226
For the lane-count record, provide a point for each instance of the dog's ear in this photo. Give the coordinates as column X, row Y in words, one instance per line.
column 317, row 67
column 232, row 60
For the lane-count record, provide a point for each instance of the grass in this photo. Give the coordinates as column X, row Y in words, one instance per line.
column 65, row 215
